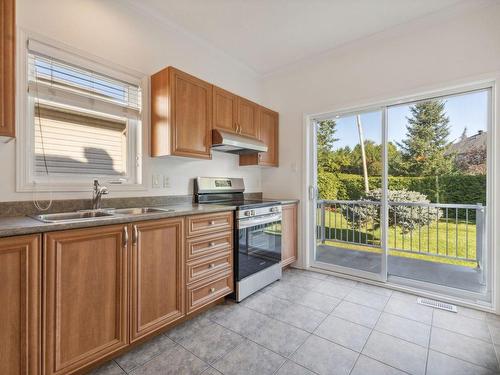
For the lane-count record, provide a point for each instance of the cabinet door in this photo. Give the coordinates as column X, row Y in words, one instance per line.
column 157, row 275
column 289, row 234
column 20, row 300
column 224, row 110
column 7, row 60
column 248, row 118
column 269, row 131
column 191, row 111
column 85, row 283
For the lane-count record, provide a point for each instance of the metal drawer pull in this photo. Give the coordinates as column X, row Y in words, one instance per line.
column 135, row 235
column 211, row 265
column 212, row 290
column 212, row 244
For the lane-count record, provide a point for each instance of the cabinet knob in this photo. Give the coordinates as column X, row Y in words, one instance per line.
column 211, row 265
column 212, row 244
column 212, row 222
column 212, row 290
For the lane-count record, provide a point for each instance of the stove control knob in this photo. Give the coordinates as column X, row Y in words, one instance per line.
column 247, row 213
column 253, row 212
column 274, row 209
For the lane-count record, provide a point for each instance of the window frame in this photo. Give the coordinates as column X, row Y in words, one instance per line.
column 492, row 266
column 26, row 178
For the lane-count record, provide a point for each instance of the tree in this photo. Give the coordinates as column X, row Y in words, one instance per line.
column 325, row 139
column 423, row 150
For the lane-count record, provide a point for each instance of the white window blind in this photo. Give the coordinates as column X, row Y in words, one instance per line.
column 85, row 117
column 68, row 142
column 51, row 78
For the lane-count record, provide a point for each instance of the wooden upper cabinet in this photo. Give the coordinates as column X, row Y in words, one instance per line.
column 157, row 274
column 20, row 299
column 181, row 115
column 85, row 296
column 269, row 134
column 7, row 68
column 248, row 118
column 288, row 234
column 225, row 110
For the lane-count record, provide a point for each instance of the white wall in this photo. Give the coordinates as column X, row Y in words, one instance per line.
column 118, row 31
column 428, row 54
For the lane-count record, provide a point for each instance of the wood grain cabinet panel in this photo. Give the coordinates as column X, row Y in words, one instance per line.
column 20, row 300
column 288, row 234
column 225, row 109
column 208, row 245
column 207, row 291
column 248, row 118
column 181, row 115
column 85, row 296
column 269, row 134
column 157, row 274
column 7, row 68
column 209, row 223
column 208, row 266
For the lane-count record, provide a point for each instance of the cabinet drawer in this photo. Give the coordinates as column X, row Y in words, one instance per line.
column 205, row 267
column 206, row 224
column 207, row 291
column 209, row 245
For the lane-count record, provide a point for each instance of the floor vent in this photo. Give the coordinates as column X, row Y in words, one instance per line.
column 437, row 304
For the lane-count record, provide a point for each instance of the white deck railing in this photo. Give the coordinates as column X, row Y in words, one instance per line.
column 453, row 231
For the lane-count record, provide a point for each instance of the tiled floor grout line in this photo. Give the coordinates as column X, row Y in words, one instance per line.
column 493, row 343
column 429, row 343
column 121, row 368
column 350, row 288
column 255, row 342
column 368, row 338
column 150, row 359
column 311, row 334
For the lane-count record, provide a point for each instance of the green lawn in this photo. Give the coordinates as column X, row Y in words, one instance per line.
column 455, row 240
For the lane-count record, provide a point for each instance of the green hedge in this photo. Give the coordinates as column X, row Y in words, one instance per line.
column 460, row 189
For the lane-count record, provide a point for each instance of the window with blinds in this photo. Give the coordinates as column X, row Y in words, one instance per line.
column 83, row 117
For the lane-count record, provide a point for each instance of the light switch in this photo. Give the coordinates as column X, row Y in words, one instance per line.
column 166, row 182
column 156, row 180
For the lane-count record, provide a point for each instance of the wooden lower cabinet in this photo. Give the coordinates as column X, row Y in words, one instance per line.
column 85, row 296
column 157, row 275
column 20, row 299
column 89, row 294
column 288, row 234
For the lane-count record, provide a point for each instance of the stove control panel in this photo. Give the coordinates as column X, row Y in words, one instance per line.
column 259, row 211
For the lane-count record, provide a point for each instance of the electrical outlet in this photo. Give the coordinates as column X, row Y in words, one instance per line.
column 156, row 181
column 166, row 182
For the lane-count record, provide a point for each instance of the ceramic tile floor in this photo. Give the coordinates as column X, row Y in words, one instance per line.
column 310, row 323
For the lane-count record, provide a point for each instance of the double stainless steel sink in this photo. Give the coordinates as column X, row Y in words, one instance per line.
column 86, row 215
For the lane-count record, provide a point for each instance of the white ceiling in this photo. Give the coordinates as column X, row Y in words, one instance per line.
column 269, row 34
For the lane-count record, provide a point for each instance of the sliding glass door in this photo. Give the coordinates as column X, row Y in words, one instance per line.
column 400, row 193
column 349, row 214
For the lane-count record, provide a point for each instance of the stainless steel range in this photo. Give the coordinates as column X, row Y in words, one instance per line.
column 257, row 233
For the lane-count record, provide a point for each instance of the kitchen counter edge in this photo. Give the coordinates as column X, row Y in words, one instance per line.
column 22, row 225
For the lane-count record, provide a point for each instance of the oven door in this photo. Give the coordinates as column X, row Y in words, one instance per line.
column 258, row 244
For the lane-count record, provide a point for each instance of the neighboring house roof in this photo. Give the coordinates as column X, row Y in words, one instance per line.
column 463, row 146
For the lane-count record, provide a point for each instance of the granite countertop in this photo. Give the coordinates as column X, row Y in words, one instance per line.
column 19, row 225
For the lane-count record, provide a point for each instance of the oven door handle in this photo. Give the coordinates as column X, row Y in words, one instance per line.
column 247, row 223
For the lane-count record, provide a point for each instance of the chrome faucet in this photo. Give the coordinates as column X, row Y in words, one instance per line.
column 97, row 193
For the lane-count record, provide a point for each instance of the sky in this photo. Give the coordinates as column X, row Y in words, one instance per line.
column 468, row 110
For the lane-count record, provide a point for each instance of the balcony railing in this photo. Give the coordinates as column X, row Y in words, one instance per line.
column 454, row 232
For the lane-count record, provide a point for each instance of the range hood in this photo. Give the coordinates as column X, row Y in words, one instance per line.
column 235, row 143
